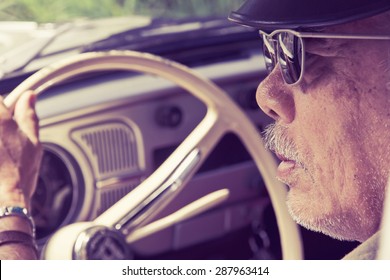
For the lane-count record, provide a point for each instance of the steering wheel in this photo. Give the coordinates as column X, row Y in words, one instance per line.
column 139, row 206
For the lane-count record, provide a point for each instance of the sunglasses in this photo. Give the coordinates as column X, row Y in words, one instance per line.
column 286, row 47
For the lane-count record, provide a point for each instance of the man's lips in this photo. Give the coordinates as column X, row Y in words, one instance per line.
column 285, row 167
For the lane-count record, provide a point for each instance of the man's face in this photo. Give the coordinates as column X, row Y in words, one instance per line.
column 332, row 132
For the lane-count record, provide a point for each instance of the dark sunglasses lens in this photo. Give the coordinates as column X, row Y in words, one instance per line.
column 290, row 56
column 269, row 54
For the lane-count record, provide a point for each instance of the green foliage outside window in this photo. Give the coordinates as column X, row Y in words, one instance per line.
column 65, row 10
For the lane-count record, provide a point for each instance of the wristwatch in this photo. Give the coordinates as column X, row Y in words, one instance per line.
column 19, row 212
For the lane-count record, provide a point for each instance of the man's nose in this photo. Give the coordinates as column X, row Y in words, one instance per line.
column 275, row 98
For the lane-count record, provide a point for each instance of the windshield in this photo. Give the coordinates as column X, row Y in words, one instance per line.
column 45, row 11
column 35, row 33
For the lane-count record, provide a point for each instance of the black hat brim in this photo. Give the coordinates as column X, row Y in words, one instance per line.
column 276, row 14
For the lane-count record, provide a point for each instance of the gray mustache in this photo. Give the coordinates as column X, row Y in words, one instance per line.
column 276, row 139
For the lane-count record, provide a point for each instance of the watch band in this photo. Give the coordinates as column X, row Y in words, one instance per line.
column 18, row 237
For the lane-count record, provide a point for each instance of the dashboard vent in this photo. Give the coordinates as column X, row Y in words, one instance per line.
column 110, row 147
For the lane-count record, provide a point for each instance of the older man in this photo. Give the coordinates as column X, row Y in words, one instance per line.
column 329, row 93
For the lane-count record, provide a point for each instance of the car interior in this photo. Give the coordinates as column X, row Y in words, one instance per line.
column 152, row 143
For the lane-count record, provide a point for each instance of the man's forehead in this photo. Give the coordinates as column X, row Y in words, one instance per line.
column 369, row 26
column 373, row 25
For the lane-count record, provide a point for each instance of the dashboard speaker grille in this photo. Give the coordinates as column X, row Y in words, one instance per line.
column 110, row 196
column 110, row 147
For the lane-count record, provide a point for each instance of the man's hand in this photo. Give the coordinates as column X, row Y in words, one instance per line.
column 20, row 152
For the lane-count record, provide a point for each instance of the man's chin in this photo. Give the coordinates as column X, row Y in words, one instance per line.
column 315, row 219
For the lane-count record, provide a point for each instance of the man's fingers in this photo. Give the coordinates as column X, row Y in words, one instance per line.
column 26, row 117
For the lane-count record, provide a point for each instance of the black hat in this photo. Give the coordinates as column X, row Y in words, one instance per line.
column 275, row 14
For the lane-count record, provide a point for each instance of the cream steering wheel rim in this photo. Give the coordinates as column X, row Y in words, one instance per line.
column 223, row 115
